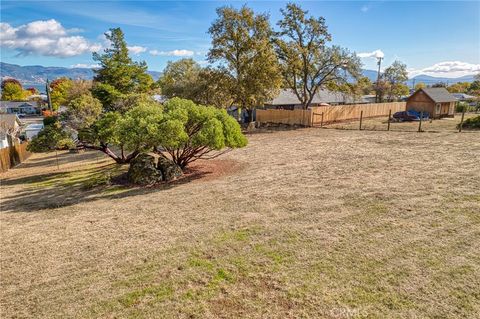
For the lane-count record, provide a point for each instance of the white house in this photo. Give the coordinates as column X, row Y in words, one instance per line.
column 10, row 126
column 18, row 107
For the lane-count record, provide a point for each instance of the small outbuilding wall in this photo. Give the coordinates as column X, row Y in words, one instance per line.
column 436, row 101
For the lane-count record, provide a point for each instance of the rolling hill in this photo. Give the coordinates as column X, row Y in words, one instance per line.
column 36, row 75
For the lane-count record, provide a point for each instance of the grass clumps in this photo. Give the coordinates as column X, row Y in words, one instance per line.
column 472, row 123
column 157, row 293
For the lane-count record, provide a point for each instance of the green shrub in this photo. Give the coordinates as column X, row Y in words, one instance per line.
column 472, row 123
column 199, row 131
column 65, row 143
column 52, row 137
column 50, row 120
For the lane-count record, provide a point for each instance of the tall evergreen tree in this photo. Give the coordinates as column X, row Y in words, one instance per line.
column 118, row 74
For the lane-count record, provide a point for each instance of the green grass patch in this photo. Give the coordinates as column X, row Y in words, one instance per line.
column 156, row 293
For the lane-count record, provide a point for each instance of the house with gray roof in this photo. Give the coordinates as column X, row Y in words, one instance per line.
column 18, row 107
column 438, row 102
column 288, row 100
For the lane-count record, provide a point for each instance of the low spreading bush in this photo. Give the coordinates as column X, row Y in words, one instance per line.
column 179, row 130
column 52, row 137
column 472, row 123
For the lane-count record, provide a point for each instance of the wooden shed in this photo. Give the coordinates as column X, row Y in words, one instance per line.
column 436, row 101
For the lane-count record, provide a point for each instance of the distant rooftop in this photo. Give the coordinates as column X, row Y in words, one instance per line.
column 463, row 96
column 288, row 97
column 7, row 104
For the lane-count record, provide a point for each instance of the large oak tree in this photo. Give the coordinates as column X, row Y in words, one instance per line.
column 241, row 43
column 307, row 63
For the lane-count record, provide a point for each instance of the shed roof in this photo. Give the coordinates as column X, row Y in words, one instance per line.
column 438, row 95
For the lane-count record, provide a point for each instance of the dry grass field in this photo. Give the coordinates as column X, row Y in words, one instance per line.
column 381, row 124
column 307, row 223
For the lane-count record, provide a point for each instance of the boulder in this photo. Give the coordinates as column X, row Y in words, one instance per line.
column 143, row 170
column 251, row 127
column 169, row 169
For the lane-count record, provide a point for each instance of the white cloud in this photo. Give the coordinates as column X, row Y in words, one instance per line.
column 447, row 69
column 374, row 54
column 364, row 8
column 85, row 66
column 45, row 37
column 173, row 53
column 136, row 49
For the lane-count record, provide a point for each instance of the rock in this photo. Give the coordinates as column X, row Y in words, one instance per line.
column 169, row 169
column 143, row 171
column 251, row 127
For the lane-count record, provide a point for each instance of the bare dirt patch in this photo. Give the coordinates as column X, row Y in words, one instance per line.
column 207, row 170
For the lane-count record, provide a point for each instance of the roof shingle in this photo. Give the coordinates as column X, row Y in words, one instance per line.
column 439, row 95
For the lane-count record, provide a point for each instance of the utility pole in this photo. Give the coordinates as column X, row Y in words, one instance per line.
column 379, row 62
column 413, row 84
column 49, row 100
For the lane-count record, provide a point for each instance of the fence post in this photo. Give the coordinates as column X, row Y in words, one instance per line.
column 461, row 121
column 321, row 121
column 56, row 157
column 389, row 116
column 361, row 118
column 420, row 123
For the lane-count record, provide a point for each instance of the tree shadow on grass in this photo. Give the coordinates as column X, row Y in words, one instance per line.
column 60, row 158
column 55, row 190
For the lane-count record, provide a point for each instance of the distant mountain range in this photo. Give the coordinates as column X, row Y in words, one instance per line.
column 36, row 75
column 427, row 79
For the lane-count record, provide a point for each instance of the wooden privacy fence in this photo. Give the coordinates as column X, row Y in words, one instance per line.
column 350, row 112
column 328, row 114
column 13, row 155
column 290, row 117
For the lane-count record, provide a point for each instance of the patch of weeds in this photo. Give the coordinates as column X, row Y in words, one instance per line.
column 239, row 235
column 200, row 263
column 221, row 275
column 241, row 264
column 143, row 276
column 276, row 256
column 158, row 293
column 366, row 296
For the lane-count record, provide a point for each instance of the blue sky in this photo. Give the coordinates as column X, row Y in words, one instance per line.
column 438, row 38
